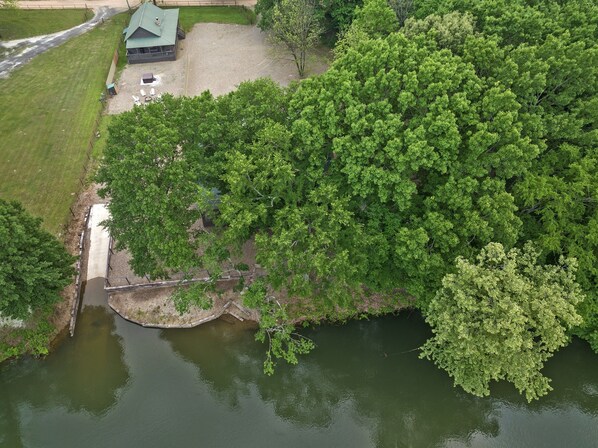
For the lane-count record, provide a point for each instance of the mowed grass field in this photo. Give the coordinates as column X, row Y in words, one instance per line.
column 188, row 16
column 48, row 109
column 21, row 23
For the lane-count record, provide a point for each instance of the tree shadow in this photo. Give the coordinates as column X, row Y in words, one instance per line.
column 369, row 365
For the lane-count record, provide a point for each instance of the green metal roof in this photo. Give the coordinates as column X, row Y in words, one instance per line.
column 160, row 24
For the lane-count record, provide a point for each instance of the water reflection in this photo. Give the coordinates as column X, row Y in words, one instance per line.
column 229, row 358
column 369, row 364
column 119, row 385
column 575, row 374
column 409, row 400
column 372, row 365
column 83, row 375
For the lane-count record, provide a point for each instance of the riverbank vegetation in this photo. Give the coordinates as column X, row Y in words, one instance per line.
column 502, row 318
column 35, row 268
column 472, row 124
column 32, row 339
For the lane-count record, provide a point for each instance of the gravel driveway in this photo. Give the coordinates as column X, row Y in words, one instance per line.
column 213, row 57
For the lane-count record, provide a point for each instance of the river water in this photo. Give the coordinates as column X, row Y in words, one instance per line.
column 116, row 384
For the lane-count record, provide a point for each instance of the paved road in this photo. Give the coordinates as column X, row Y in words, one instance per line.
column 23, row 50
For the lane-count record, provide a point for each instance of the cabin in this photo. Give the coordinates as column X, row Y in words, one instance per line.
column 153, row 34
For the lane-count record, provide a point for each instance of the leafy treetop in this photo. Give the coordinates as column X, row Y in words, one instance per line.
column 502, row 318
column 35, row 266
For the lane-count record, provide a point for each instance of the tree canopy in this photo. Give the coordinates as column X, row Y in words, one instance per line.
column 335, row 15
column 474, row 123
column 502, row 318
column 546, row 54
column 35, row 266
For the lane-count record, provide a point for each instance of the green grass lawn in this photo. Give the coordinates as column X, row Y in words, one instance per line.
column 188, row 16
column 21, row 23
column 47, row 114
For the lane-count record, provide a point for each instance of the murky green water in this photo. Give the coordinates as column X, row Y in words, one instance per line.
column 118, row 385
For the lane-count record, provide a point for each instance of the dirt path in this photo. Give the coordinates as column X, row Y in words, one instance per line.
column 22, row 51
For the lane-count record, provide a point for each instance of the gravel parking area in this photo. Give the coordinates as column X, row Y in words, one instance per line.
column 213, row 57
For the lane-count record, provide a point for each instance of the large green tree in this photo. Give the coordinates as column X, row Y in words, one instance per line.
column 418, row 146
column 35, row 266
column 296, row 25
column 501, row 318
column 152, row 185
column 163, row 161
column 336, row 15
column 547, row 54
column 416, row 151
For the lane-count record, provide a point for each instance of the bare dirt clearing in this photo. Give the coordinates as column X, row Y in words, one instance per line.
column 214, row 57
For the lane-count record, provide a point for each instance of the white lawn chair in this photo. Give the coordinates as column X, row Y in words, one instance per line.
column 136, row 100
column 142, row 93
column 153, row 92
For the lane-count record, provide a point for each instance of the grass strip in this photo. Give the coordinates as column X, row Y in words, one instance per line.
column 49, row 110
column 22, row 23
column 190, row 15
